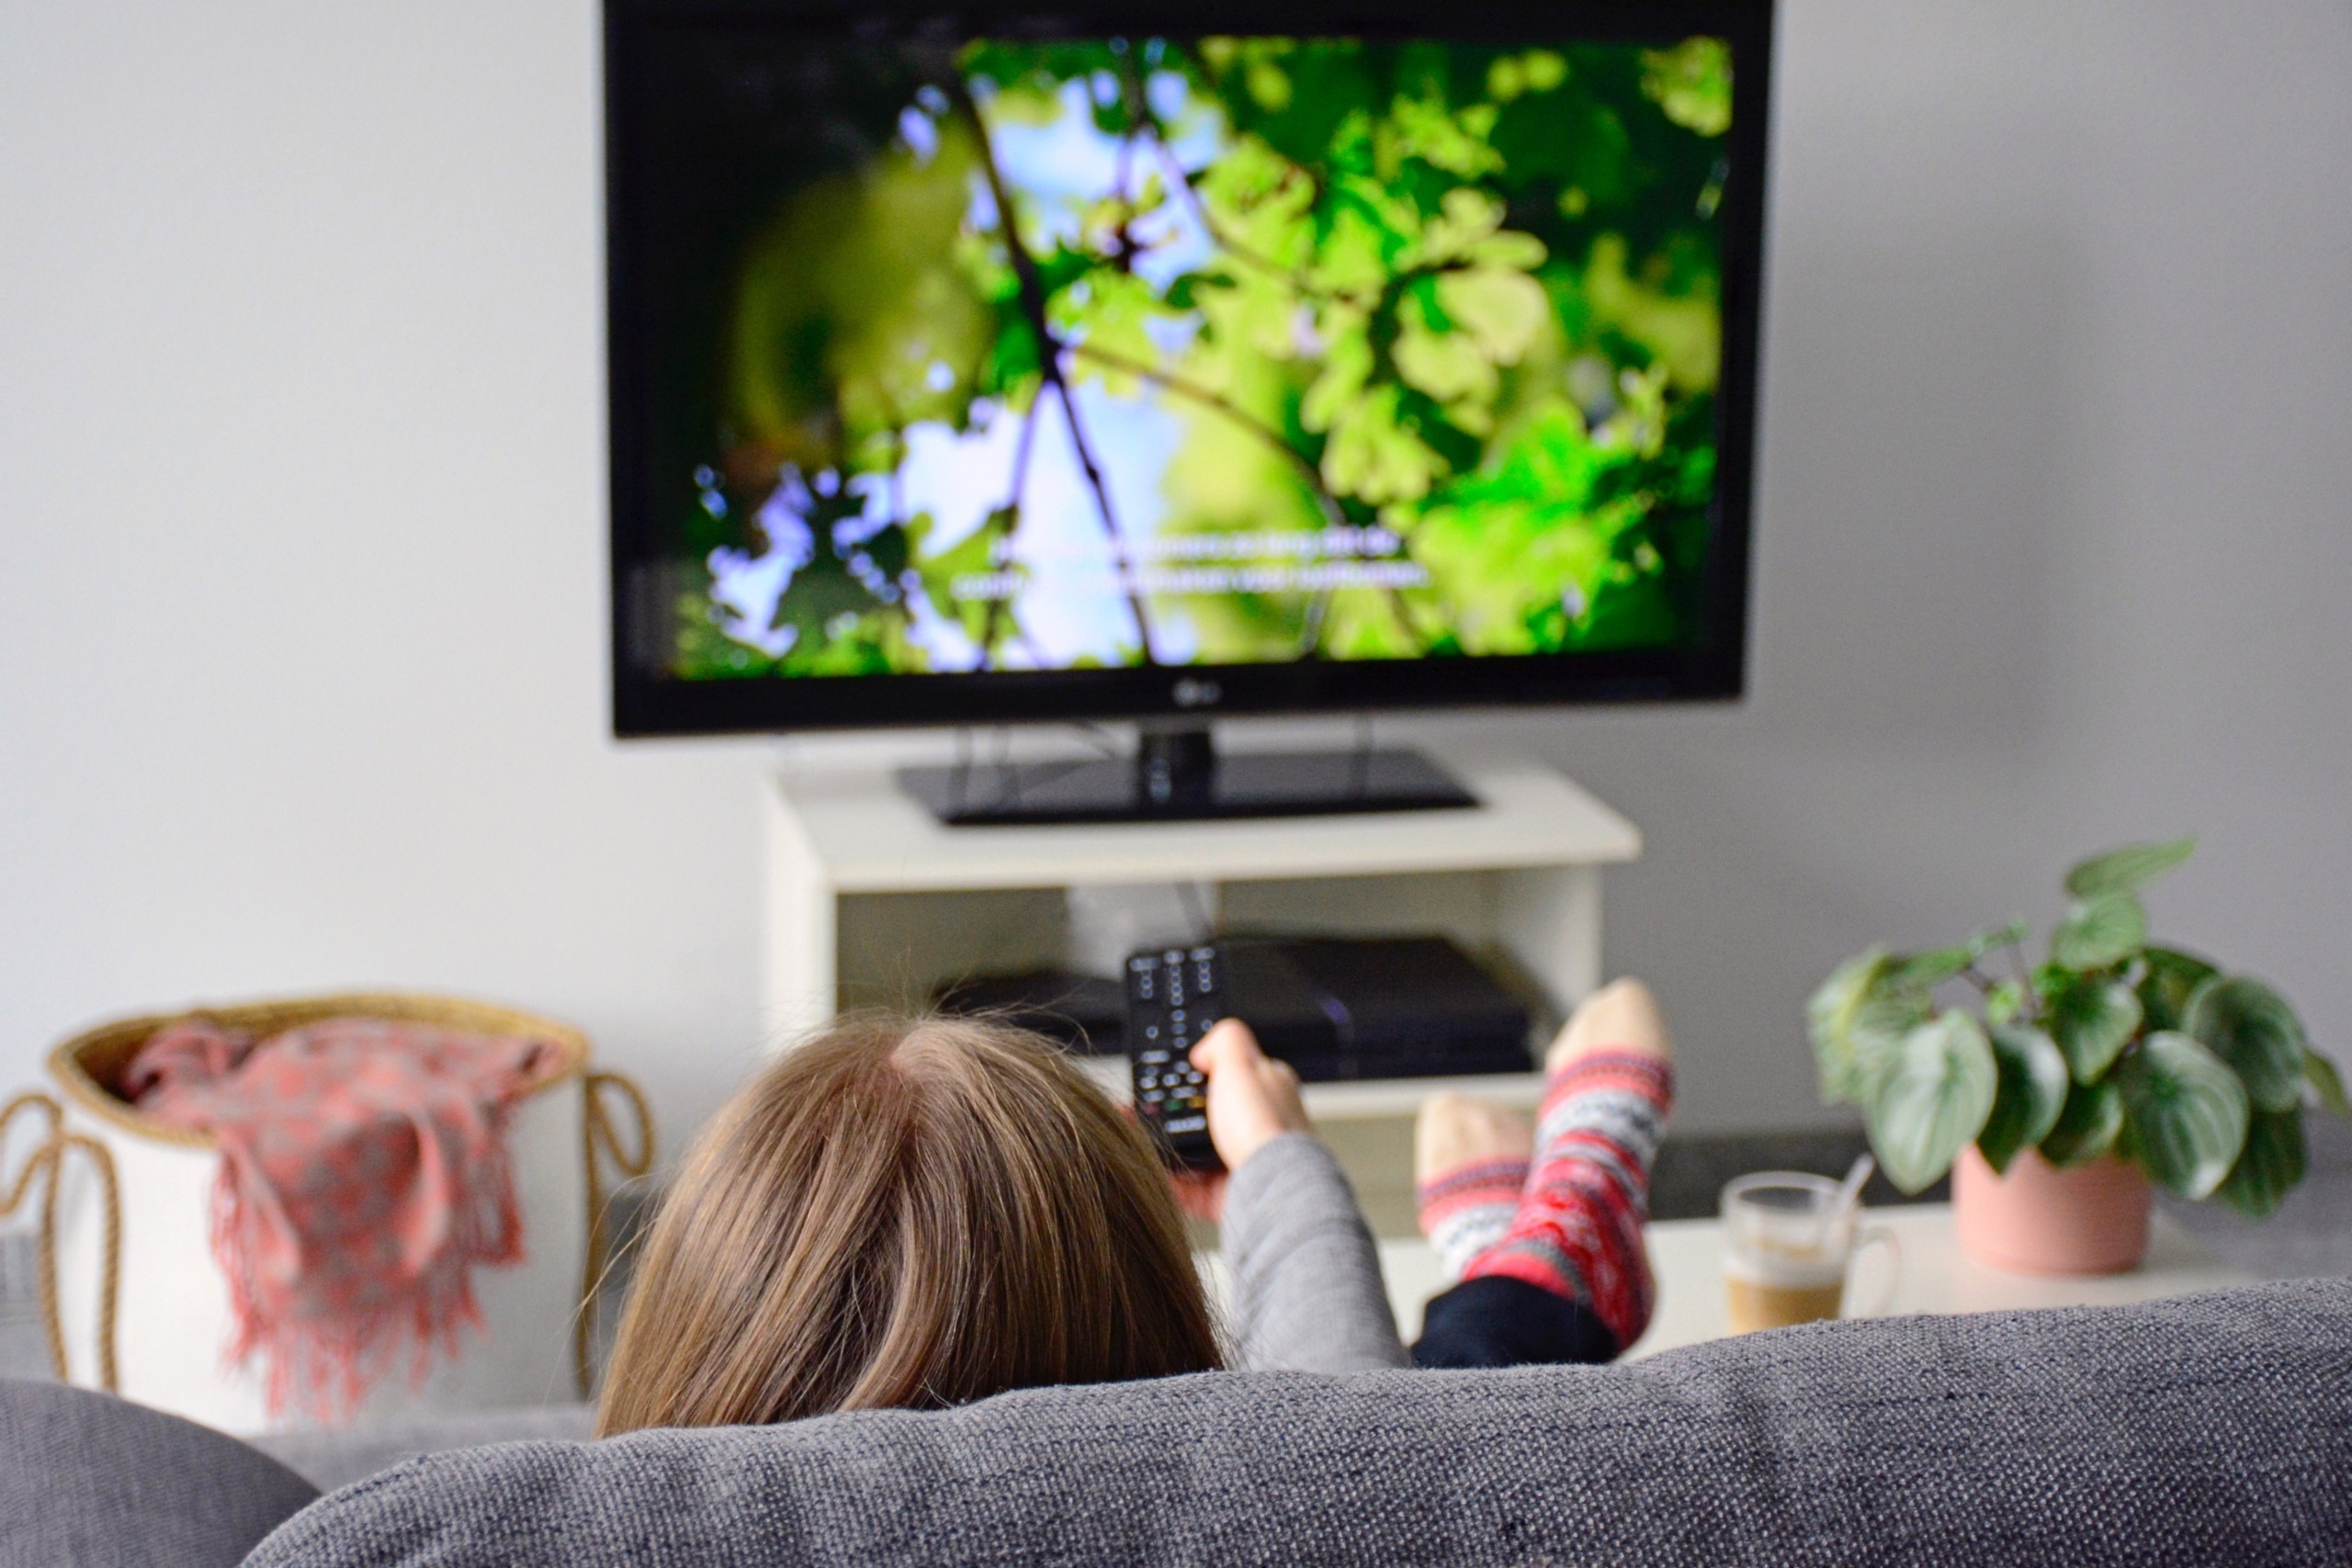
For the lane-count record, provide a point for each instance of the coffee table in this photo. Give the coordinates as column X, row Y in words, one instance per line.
column 1934, row 1275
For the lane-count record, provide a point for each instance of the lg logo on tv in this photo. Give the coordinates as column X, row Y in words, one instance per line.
column 1192, row 693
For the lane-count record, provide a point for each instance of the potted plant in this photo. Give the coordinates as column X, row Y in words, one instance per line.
column 2062, row 1089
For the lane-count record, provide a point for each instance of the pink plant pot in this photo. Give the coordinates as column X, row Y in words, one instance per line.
column 2092, row 1219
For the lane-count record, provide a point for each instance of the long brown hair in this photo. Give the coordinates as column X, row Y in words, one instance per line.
column 906, row 1214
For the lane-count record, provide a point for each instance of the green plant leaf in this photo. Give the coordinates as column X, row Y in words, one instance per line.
column 2250, row 1027
column 1880, row 1029
column 2005, row 1001
column 2269, row 1168
column 2033, row 1084
column 1926, row 970
column 2092, row 1020
column 1857, row 1020
column 1930, row 969
column 1830, row 1016
column 2100, row 932
column 2188, row 1111
column 2127, row 870
column 2326, row 1082
column 1935, row 1097
column 1986, row 940
column 2086, row 1127
column 2172, row 978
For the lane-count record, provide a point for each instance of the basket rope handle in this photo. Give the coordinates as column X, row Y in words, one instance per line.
column 48, row 1159
column 600, row 1141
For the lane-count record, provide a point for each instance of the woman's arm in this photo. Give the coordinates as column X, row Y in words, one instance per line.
column 1307, row 1294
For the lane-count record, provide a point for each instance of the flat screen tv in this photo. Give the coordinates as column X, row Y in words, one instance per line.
column 1138, row 361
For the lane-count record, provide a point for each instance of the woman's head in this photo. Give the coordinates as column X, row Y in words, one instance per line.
column 906, row 1214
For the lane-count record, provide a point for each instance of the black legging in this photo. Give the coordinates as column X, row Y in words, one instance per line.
column 1497, row 1321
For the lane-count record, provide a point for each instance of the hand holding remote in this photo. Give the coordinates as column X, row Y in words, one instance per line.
column 1252, row 1098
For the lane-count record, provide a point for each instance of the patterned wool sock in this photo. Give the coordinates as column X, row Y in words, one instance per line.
column 1577, row 1230
column 1466, row 1209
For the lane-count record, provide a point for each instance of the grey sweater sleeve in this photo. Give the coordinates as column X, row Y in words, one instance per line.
column 1306, row 1290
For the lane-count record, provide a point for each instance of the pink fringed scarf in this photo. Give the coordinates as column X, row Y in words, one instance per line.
column 363, row 1175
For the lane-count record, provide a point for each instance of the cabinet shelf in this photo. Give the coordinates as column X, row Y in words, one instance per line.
column 870, row 901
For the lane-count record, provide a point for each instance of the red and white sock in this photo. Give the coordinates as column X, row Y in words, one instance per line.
column 1468, row 1208
column 1577, row 1228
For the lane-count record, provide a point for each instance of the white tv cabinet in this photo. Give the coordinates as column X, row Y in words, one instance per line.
column 872, row 902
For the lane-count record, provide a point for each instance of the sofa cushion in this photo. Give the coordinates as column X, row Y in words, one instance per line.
column 97, row 1482
column 2211, row 1428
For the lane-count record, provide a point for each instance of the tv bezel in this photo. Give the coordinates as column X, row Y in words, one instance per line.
column 646, row 704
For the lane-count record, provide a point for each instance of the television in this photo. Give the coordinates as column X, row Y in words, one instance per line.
column 1124, row 360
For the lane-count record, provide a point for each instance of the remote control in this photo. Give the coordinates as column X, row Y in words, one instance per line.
column 1173, row 995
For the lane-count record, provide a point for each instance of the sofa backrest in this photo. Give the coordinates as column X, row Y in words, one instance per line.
column 101, row 1482
column 2214, row 1428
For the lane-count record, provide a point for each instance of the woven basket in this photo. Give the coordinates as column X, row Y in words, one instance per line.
column 135, row 1304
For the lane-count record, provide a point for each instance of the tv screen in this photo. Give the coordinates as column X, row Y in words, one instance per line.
column 987, row 366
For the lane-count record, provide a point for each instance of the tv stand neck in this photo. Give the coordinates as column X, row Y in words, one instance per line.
column 1176, row 765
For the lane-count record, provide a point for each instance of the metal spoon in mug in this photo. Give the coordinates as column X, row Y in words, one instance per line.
column 1848, row 1193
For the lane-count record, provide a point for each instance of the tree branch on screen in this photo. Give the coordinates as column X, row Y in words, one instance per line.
column 1033, row 306
column 991, row 626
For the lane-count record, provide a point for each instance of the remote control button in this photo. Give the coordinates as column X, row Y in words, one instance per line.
column 1168, row 1012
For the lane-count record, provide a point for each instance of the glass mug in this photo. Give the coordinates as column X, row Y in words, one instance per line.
column 1787, row 1251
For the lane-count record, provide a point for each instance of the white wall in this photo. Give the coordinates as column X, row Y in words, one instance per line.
column 2055, row 530
column 302, row 561
column 301, row 641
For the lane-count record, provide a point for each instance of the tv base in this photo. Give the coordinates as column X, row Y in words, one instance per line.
column 1177, row 776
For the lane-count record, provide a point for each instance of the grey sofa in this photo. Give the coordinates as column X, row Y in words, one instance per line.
column 2212, row 1429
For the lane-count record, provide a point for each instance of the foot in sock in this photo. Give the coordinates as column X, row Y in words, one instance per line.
column 1577, row 1228
column 1470, row 1164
